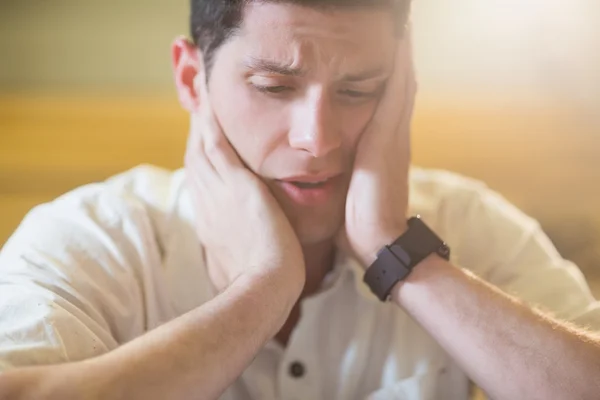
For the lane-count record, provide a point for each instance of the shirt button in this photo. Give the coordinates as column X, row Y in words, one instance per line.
column 297, row 369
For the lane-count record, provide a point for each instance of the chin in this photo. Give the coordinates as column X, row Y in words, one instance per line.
column 316, row 230
column 314, row 224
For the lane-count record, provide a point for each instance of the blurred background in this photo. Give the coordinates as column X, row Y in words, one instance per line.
column 509, row 94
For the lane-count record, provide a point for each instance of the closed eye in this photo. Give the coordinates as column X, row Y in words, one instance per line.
column 358, row 94
column 272, row 89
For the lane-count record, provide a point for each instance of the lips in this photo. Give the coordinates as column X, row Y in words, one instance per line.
column 317, row 178
column 308, row 185
column 310, row 190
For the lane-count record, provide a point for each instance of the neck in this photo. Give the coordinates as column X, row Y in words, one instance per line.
column 319, row 260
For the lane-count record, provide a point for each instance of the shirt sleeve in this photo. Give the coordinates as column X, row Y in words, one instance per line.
column 70, row 279
column 510, row 250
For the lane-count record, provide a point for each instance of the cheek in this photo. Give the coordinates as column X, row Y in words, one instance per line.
column 253, row 126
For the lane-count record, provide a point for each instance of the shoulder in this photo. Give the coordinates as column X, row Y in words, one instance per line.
column 118, row 213
column 80, row 269
column 452, row 199
column 152, row 186
column 481, row 226
column 434, row 190
column 101, row 246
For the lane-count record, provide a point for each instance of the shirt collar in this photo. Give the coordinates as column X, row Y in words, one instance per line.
column 347, row 267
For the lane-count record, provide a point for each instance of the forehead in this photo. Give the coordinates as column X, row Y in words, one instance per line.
column 342, row 38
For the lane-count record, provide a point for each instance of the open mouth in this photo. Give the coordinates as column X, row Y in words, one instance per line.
column 309, row 185
column 310, row 192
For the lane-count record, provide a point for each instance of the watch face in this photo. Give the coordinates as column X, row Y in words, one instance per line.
column 395, row 262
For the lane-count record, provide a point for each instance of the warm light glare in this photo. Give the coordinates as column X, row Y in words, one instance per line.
column 546, row 47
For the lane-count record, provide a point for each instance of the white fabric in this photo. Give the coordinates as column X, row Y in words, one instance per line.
column 107, row 262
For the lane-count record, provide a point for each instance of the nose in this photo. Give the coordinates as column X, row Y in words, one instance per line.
column 315, row 128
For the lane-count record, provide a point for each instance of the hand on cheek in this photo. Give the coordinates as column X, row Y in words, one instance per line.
column 239, row 223
column 377, row 201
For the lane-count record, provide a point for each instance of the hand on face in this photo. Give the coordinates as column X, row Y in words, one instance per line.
column 239, row 222
column 377, row 201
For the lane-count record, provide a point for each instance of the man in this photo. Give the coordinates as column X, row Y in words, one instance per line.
column 243, row 277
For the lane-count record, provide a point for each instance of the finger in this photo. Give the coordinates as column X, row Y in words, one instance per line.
column 217, row 147
column 410, row 80
column 219, row 150
column 195, row 153
column 197, row 164
column 197, row 181
column 403, row 77
column 397, row 102
column 409, row 94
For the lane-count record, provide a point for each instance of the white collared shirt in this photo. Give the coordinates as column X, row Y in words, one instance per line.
column 107, row 262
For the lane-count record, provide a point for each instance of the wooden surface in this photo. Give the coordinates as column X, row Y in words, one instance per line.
column 543, row 157
column 544, row 160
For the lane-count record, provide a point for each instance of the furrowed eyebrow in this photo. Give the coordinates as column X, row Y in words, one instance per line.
column 273, row 67
column 363, row 76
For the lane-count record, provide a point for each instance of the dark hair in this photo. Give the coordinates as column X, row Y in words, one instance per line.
column 212, row 22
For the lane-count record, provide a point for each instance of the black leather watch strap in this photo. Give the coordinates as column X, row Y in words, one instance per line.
column 395, row 262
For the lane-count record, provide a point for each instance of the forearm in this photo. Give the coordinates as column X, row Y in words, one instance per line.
column 508, row 349
column 203, row 352
column 195, row 356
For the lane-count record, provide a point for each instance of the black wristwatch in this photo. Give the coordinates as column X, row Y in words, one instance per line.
column 396, row 261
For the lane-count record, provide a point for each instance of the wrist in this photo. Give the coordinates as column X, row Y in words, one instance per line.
column 382, row 238
column 283, row 285
column 430, row 271
column 82, row 379
column 397, row 260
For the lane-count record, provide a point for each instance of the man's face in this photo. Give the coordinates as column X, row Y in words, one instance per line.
column 293, row 91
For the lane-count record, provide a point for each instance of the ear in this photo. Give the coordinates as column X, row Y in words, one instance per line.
column 187, row 66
